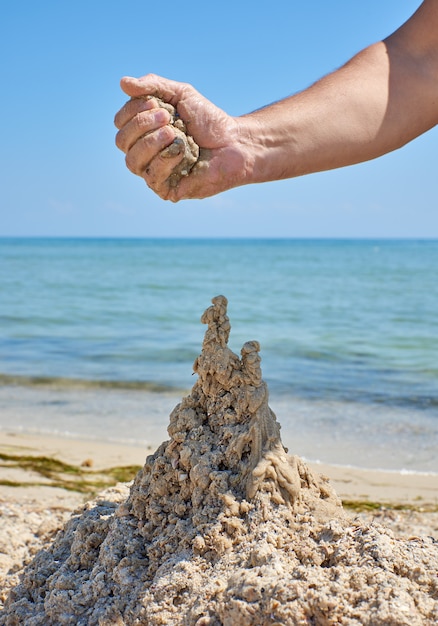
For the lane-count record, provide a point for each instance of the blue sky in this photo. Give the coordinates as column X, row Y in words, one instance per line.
column 61, row 174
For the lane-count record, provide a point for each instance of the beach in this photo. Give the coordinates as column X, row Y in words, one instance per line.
column 32, row 513
column 98, row 341
column 354, row 485
column 153, row 485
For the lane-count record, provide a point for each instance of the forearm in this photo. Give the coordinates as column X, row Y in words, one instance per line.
column 381, row 99
column 377, row 102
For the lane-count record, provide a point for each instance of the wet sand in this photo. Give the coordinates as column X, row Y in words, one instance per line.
column 32, row 511
column 353, row 485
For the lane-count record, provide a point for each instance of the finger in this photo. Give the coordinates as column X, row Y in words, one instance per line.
column 160, row 169
column 141, row 124
column 144, row 149
column 151, row 84
column 131, row 108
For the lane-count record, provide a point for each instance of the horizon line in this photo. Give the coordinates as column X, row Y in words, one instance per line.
column 225, row 238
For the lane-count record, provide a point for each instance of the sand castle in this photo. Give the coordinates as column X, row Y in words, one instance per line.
column 222, row 527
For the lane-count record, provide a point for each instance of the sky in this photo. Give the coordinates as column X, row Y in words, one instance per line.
column 61, row 62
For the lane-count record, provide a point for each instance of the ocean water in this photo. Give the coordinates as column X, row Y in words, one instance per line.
column 98, row 338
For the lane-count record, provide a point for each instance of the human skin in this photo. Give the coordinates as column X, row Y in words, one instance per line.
column 380, row 100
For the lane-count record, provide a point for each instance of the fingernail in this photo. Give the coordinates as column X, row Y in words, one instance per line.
column 161, row 116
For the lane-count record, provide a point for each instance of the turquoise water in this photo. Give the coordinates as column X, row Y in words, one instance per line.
column 348, row 329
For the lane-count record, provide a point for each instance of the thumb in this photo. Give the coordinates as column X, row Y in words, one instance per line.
column 152, row 85
column 133, row 87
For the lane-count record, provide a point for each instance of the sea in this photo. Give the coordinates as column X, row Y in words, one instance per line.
column 98, row 339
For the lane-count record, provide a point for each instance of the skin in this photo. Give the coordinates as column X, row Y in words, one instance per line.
column 380, row 100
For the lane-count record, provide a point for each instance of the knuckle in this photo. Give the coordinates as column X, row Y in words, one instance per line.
column 120, row 143
column 117, row 119
column 187, row 90
column 166, row 135
column 124, row 115
column 132, row 164
column 142, row 123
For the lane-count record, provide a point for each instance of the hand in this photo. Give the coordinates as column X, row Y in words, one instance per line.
column 144, row 132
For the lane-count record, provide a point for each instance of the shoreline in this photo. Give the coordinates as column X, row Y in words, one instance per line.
column 346, row 434
column 359, row 488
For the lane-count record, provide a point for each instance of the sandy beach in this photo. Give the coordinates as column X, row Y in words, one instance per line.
column 358, row 488
column 217, row 525
column 33, row 507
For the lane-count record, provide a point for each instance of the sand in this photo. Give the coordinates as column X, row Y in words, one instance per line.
column 30, row 516
column 183, row 144
column 389, row 489
column 220, row 526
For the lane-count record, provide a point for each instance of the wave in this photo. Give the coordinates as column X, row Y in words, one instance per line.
column 284, row 389
column 349, row 466
column 59, row 382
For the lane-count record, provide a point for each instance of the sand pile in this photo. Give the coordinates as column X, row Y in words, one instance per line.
column 223, row 527
column 24, row 530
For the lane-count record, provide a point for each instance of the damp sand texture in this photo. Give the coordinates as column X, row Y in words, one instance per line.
column 223, row 527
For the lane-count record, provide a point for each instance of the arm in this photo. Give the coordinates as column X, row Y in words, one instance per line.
column 384, row 97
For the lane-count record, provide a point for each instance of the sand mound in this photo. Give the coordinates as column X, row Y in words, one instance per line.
column 223, row 527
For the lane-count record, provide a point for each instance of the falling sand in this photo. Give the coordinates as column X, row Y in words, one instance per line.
column 223, row 527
